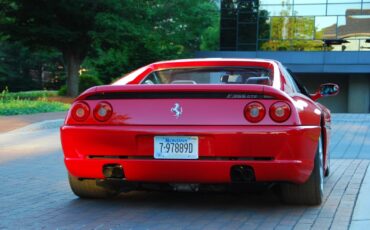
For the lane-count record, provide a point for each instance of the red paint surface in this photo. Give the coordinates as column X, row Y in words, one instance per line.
column 293, row 145
column 226, row 138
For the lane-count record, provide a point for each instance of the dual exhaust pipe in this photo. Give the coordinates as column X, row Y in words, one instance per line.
column 238, row 173
column 242, row 174
column 113, row 171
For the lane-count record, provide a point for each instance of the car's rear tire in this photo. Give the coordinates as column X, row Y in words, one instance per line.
column 87, row 188
column 327, row 171
column 310, row 192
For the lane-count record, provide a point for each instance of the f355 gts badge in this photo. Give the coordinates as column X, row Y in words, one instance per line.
column 177, row 109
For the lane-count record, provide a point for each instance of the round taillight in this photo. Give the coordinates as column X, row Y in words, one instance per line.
column 80, row 111
column 103, row 111
column 254, row 112
column 280, row 111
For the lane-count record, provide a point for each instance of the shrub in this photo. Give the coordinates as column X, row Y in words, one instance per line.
column 87, row 81
column 27, row 95
column 62, row 91
column 29, row 102
column 16, row 107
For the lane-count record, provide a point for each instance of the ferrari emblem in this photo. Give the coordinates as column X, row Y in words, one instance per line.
column 177, row 109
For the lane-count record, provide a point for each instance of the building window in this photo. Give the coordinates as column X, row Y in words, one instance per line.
column 239, row 22
column 295, row 25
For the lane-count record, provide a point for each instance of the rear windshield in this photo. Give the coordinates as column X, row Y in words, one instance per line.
column 219, row 75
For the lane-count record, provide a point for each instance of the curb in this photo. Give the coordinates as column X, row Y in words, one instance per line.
column 361, row 214
column 48, row 124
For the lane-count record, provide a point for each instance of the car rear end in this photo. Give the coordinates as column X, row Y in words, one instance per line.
column 206, row 134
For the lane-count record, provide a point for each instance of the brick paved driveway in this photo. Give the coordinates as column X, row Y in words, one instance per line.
column 34, row 192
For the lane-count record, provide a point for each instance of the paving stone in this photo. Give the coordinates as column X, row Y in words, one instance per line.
column 360, row 225
column 36, row 195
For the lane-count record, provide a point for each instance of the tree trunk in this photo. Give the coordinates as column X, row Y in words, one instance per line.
column 72, row 61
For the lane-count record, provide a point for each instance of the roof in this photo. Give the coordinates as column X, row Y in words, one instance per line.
column 216, row 60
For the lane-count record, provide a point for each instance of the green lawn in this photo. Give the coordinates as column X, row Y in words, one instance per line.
column 28, row 95
column 16, row 107
column 29, row 102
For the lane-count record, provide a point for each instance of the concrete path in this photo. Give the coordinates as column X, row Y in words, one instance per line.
column 361, row 214
column 8, row 123
column 35, row 193
column 350, row 136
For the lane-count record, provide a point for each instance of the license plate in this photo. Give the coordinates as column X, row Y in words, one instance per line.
column 176, row 147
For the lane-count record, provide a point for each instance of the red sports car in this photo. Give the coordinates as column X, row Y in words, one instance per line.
column 189, row 124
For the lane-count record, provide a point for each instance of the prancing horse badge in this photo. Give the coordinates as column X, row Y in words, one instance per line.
column 177, row 109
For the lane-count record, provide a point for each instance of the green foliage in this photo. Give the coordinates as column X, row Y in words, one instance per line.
column 63, row 90
column 210, row 37
column 152, row 31
column 109, row 64
column 292, row 27
column 117, row 36
column 29, row 102
column 21, row 68
column 264, row 26
column 283, row 33
column 56, row 24
column 88, row 81
column 27, row 95
column 16, row 107
column 64, row 25
column 295, row 45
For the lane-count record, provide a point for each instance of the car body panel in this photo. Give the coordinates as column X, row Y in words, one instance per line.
column 276, row 151
column 224, row 145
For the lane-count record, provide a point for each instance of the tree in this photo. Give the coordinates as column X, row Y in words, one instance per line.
column 153, row 31
column 128, row 32
column 22, row 69
column 64, row 25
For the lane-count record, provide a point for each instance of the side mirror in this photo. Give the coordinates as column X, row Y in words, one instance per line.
column 327, row 89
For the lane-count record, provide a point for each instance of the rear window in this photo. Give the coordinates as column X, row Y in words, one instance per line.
column 219, row 75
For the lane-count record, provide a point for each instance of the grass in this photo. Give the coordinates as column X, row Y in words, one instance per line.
column 28, row 95
column 29, row 102
column 17, row 107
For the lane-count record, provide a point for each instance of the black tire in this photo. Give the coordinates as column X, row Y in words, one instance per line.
column 310, row 192
column 327, row 171
column 87, row 188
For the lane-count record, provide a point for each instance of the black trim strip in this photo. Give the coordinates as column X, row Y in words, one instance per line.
column 200, row 158
column 176, row 95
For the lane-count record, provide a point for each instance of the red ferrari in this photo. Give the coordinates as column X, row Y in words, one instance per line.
column 192, row 124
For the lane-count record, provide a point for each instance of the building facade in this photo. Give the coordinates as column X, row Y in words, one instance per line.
column 319, row 40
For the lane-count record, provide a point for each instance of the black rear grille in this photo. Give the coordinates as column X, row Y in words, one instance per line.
column 200, row 158
column 176, row 95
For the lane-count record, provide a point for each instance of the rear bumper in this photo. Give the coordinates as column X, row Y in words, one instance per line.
column 276, row 153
